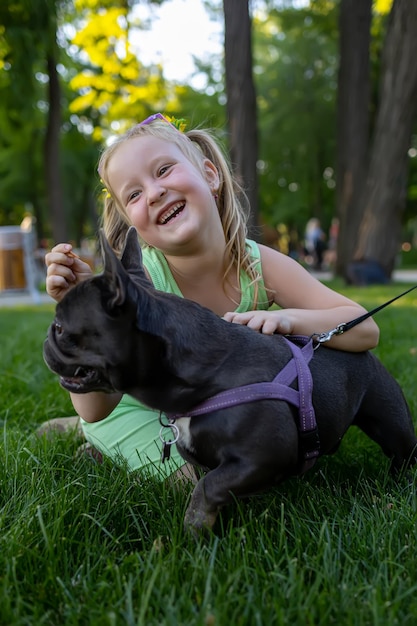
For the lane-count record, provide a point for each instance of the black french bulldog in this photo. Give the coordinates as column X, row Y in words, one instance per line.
column 115, row 331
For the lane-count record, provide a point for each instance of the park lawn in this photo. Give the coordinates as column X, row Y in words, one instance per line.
column 85, row 544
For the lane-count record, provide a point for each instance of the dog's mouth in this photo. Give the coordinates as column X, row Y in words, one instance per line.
column 74, row 377
column 85, row 380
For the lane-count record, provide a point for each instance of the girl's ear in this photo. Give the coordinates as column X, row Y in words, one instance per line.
column 212, row 175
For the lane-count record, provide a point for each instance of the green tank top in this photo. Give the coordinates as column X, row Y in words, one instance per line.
column 162, row 278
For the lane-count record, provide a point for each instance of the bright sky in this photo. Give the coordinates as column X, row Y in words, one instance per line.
column 180, row 29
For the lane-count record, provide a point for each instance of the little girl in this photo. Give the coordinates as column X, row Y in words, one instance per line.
column 176, row 188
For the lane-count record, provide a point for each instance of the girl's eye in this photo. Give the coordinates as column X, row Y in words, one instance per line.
column 133, row 195
column 163, row 170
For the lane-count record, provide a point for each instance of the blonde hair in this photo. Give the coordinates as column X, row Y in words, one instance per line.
column 197, row 145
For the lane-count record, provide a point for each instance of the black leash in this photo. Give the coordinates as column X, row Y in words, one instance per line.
column 345, row 326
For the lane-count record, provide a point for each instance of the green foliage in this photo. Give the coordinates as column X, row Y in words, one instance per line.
column 20, row 119
column 296, row 73
column 25, row 43
column 113, row 85
column 86, row 544
column 106, row 88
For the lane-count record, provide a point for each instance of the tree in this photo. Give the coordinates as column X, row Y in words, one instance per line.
column 241, row 101
column 22, row 182
column 54, row 190
column 30, row 50
column 380, row 195
column 353, row 113
column 384, row 195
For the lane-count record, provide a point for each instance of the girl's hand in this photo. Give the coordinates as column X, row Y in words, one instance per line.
column 65, row 270
column 269, row 322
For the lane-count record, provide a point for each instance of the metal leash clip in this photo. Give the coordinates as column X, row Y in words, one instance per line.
column 323, row 337
column 166, row 444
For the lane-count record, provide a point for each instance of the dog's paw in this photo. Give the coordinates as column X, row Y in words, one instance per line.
column 199, row 523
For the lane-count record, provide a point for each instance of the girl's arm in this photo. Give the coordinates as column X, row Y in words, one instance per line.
column 308, row 306
column 96, row 405
column 66, row 269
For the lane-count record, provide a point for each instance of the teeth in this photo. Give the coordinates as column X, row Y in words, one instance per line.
column 172, row 211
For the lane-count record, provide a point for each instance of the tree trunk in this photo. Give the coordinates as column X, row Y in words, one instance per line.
column 52, row 160
column 241, row 102
column 384, row 195
column 352, row 122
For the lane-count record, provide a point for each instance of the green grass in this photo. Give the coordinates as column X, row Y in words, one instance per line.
column 84, row 544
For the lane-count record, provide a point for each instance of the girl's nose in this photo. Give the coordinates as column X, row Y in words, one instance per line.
column 155, row 192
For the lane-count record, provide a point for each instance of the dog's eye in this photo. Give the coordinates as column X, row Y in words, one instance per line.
column 57, row 328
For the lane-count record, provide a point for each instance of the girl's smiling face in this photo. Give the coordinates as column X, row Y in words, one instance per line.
column 166, row 197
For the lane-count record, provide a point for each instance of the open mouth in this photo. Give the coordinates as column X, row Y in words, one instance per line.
column 82, row 379
column 171, row 214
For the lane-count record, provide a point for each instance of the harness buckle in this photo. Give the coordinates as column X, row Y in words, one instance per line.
column 309, row 443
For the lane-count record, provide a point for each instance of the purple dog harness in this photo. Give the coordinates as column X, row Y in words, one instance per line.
column 278, row 389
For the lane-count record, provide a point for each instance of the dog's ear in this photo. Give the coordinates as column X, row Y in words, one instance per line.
column 132, row 256
column 114, row 272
